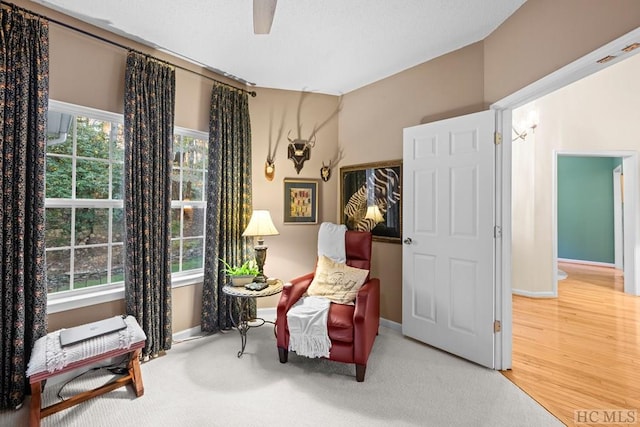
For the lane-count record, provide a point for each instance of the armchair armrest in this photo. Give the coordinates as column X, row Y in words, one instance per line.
column 366, row 320
column 291, row 293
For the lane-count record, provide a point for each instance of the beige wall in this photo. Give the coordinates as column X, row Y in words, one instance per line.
column 545, row 35
column 597, row 113
column 294, row 251
column 371, row 124
column 540, row 37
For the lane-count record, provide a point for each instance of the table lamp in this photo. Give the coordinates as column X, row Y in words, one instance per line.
column 260, row 225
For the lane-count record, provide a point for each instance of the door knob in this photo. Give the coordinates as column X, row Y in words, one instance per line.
column 408, row 241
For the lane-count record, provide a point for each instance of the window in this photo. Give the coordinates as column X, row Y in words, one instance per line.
column 84, row 221
column 84, row 210
column 188, row 200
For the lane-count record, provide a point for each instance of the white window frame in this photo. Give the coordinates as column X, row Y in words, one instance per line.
column 62, row 301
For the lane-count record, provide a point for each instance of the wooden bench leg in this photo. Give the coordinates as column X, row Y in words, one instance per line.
column 135, row 373
column 36, row 402
column 133, row 376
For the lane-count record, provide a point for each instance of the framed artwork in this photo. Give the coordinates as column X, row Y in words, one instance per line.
column 300, row 201
column 370, row 199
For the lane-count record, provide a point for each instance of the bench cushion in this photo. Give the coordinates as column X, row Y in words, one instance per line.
column 49, row 356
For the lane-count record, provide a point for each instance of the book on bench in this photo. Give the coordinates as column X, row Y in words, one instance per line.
column 91, row 330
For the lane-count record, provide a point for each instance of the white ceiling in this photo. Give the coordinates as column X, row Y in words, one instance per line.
column 327, row 46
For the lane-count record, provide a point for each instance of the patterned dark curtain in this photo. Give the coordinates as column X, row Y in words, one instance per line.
column 24, row 96
column 228, row 200
column 148, row 121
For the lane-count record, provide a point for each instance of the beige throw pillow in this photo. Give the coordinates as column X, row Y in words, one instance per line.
column 336, row 281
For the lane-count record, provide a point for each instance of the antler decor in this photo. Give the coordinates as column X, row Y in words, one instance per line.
column 299, row 149
column 325, row 170
column 270, row 165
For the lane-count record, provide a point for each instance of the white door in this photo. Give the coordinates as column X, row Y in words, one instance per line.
column 448, row 235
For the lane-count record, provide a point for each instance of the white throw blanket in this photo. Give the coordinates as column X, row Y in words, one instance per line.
column 307, row 319
column 331, row 241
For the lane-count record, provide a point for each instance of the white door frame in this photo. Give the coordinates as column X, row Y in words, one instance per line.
column 630, row 164
column 568, row 74
column 618, row 221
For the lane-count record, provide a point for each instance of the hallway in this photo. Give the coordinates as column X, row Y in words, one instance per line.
column 580, row 351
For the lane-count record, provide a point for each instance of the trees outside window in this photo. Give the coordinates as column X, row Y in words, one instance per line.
column 84, row 223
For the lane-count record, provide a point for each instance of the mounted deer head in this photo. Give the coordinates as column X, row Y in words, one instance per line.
column 270, row 165
column 299, row 149
column 325, row 170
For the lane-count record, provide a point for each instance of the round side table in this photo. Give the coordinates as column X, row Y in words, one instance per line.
column 241, row 296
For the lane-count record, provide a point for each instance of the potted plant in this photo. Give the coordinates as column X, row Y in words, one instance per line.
column 243, row 274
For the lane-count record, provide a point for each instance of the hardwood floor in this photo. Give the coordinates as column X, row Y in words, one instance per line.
column 580, row 351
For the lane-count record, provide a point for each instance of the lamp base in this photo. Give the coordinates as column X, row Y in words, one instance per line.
column 261, row 256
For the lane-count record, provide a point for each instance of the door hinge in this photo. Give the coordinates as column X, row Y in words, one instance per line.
column 497, row 138
column 497, row 232
column 497, row 326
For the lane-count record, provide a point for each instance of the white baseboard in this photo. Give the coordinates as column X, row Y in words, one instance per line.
column 391, row 324
column 594, row 263
column 187, row 333
column 534, row 294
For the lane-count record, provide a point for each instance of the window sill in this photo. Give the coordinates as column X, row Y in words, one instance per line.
column 71, row 302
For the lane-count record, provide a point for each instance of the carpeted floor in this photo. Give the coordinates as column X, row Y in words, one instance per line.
column 201, row 382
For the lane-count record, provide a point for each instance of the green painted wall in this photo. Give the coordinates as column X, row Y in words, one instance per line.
column 585, row 208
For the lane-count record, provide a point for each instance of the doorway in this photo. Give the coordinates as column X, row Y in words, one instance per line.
column 560, row 79
column 628, row 213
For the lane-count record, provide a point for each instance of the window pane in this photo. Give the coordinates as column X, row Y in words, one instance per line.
column 58, row 267
column 193, row 153
column 177, row 150
column 117, row 264
column 117, row 142
column 175, row 222
column 192, row 254
column 117, row 186
column 193, row 221
column 117, row 225
column 90, row 267
column 59, row 133
column 175, row 184
column 92, row 179
column 57, row 229
column 192, row 185
column 92, row 226
column 93, row 137
column 58, row 179
column 175, row 255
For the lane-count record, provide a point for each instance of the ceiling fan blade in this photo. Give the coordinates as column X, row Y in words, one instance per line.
column 263, row 11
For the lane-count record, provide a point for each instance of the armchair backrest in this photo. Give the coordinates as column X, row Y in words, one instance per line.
column 358, row 249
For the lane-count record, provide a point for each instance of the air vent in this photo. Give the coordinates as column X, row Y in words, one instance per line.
column 606, row 59
column 631, row 47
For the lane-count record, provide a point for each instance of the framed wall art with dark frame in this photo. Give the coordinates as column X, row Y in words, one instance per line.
column 300, row 201
column 370, row 199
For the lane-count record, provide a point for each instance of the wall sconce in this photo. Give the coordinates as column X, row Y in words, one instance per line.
column 260, row 225
column 531, row 122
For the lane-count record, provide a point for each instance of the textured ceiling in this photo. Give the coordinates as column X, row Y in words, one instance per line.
column 327, row 46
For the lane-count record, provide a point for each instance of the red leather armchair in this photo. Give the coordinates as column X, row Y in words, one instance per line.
column 352, row 328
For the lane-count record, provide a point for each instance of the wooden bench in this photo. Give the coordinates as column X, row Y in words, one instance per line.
column 133, row 376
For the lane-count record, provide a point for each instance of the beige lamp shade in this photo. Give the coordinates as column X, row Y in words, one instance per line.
column 373, row 212
column 260, row 225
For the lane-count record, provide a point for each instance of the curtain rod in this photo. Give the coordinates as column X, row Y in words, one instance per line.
column 121, row 46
